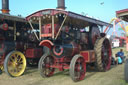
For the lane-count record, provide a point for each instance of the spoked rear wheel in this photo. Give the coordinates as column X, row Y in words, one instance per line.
column 77, row 68
column 44, row 65
column 15, row 64
column 103, row 54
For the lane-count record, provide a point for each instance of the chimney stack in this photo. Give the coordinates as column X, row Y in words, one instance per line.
column 5, row 6
column 61, row 4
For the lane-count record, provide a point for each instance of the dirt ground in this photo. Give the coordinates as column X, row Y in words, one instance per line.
column 115, row 76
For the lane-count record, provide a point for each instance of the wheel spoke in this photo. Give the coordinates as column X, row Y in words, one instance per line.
column 20, row 62
column 19, row 58
column 15, row 57
column 12, row 59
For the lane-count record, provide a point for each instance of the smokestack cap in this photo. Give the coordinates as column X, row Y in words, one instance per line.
column 61, row 4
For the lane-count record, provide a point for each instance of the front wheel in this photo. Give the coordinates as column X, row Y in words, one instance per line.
column 15, row 64
column 44, row 66
column 77, row 68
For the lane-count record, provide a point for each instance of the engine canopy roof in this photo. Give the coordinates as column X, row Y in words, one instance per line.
column 73, row 18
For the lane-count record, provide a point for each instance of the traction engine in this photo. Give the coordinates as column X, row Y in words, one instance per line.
column 18, row 45
column 73, row 41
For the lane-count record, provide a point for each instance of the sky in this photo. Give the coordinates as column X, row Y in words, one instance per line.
column 94, row 8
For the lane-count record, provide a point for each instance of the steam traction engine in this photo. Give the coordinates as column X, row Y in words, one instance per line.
column 17, row 43
column 74, row 41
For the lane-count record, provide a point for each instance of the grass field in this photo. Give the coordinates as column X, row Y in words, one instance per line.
column 115, row 76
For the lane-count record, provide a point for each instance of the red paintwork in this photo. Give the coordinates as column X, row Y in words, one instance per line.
column 110, row 58
column 49, row 11
column 60, row 67
column 20, row 46
column 61, row 63
column 56, row 52
column 5, row 26
column 2, row 59
column 1, row 46
column 68, row 13
column 109, row 61
column 33, row 52
column 121, row 39
column 76, row 48
column 89, row 55
column 80, row 75
column 46, row 30
column 46, row 43
column 46, row 35
column 121, row 11
column 85, row 54
column 69, row 48
column 2, row 49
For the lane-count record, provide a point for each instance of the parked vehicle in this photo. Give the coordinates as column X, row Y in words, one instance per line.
column 18, row 43
column 74, row 40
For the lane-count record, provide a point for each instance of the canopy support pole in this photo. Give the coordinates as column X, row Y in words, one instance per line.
column 33, row 29
column 53, row 27
column 61, row 27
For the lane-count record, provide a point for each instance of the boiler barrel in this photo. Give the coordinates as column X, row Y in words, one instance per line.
column 66, row 50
